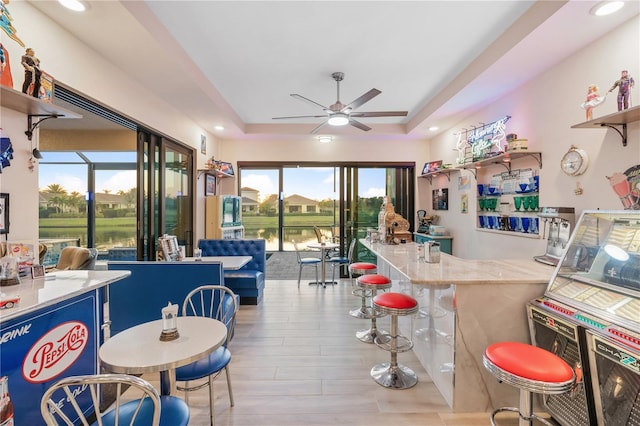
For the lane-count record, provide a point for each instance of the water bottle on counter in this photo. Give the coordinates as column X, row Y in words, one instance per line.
column 420, row 252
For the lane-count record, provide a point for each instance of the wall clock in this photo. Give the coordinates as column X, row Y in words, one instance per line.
column 575, row 161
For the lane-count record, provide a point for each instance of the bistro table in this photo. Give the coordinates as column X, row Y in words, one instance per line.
column 324, row 248
column 139, row 350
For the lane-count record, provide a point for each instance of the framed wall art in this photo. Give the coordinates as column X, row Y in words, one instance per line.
column 4, row 213
column 209, row 184
column 441, row 199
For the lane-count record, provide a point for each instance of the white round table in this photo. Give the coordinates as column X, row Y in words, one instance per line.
column 324, row 248
column 139, row 349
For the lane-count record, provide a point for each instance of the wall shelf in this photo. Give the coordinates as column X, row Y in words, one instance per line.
column 447, row 172
column 218, row 174
column 620, row 118
column 503, row 160
column 29, row 105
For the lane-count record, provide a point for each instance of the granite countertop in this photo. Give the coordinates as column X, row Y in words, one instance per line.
column 55, row 287
column 454, row 270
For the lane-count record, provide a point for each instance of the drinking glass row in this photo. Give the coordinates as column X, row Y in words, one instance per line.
column 527, row 225
column 528, row 202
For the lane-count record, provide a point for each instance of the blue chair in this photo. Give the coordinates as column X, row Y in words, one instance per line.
column 305, row 261
column 147, row 407
column 220, row 303
column 339, row 261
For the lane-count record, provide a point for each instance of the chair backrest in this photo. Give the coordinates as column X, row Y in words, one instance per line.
column 42, row 252
column 318, row 233
column 213, row 301
column 77, row 258
column 295, row 246
column 352, row 246
column 144, row 410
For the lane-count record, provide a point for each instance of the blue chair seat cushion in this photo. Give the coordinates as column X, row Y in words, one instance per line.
column 310, row 260
column 338, row 259
column 174, row 412
column 204, row 367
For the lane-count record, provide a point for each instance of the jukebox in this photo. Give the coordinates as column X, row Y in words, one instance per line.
column 590, row 317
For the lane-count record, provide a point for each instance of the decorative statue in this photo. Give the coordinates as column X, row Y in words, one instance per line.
column 5, row 22
column 32, row 73
column 624, row 86
column 593, row 100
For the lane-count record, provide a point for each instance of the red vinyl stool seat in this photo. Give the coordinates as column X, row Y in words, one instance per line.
column 361, row 268
column 370, row 284
column 391, row 374
column 532, row 370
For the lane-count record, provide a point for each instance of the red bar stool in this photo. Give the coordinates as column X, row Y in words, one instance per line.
column 361, row 268
column 393, row 375
column 370, row 284
column 531, row 369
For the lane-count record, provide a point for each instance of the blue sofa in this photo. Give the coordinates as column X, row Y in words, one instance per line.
column 248, row 281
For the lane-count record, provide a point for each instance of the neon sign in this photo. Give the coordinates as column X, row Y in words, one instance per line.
column 481, row 139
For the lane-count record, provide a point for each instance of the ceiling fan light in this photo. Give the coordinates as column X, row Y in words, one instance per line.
column 75, row 5
column 338, row 119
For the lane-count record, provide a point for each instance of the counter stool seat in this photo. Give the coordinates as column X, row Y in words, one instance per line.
column 371, row 284
column 532, row 370
column 391, row 374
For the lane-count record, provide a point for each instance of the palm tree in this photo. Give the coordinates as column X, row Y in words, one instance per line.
column 55, row 188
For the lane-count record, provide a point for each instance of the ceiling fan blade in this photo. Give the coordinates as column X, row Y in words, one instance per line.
column 359, row 125
column 302, row 98
column 314, row 131
column 362, row 99
column 300, row 116
column 380, row 114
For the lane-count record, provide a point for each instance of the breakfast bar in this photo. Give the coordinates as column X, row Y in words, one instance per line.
column 465, row 305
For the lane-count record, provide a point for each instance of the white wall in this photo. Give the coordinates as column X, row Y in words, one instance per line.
column 543, row 111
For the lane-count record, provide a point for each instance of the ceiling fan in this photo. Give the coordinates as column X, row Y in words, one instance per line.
column 340, row 114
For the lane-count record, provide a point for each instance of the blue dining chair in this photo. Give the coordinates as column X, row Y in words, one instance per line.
column 220, row 303
column 339, row 261
column 305, row 261
column 144, row 406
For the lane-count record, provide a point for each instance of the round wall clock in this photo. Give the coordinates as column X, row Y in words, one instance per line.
column 575, row 161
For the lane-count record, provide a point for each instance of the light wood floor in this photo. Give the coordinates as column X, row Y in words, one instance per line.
column 296, row 361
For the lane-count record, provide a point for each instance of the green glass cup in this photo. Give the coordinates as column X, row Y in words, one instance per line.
column 483, row 203
column 526, row 202
column 534, row 202
column 517, row 202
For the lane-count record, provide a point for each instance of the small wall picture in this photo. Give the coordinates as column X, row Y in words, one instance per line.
column 4, row 213
column 464, row 203
column 209, row 184
column 203, row 144
column 441, row 199
column 37, row 271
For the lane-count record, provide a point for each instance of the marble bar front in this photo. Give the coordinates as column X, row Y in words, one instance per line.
column 465, row 305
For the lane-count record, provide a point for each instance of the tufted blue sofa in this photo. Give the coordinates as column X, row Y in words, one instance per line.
column 248, row 281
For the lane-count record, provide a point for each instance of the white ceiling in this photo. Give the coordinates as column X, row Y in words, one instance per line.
column 235, row 63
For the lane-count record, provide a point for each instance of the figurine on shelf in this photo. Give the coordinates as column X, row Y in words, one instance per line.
column 593, row 100
column 624, row 85
column 32, row 73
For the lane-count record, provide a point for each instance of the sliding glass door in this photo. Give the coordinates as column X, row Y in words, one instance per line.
column 283, row 201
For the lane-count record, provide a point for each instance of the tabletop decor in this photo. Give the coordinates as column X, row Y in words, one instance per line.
column 169, row 323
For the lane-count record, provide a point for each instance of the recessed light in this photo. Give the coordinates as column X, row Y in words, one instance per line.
column 433, row 128
column 219, row 127
column 606, row 8
column 325, row 139
column 75, row 5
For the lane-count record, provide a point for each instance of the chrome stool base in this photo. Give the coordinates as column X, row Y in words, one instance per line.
column 522, row 420
column 396, row 377
column 369, row 335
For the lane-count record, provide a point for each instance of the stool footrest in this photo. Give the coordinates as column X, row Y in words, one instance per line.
column 517, row 410
column 383, row 341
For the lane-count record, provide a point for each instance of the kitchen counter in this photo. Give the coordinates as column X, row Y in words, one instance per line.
column 465, row 305
column 55, row 287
